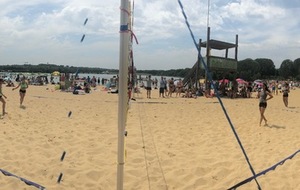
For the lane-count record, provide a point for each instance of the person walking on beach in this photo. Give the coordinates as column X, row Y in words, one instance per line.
column 166, row 87
column 171, row 87
column 2, row 99
column 23, row 86
column 148, row 86
column 286, row 90
column 179, row 87
column 262, row 95
column 162, row 86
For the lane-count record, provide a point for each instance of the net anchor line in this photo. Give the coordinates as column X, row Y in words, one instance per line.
column 217, row 95
column 263, row 172
column 27, row 182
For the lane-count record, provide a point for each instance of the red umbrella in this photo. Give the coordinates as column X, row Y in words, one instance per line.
column 258, row 82
column 241, row 81
column 226, row 81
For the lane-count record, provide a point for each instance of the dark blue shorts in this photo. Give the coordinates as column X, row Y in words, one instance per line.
column 22, row 91
column 161, row 90
column 263, row 104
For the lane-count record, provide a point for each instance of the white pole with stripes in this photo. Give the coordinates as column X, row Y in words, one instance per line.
column 122, row 89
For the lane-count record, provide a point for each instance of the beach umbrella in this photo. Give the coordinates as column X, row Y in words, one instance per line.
column 226, row 81
column 241, row 81
column 258, row 82
column 56, row 73
column 201, row 80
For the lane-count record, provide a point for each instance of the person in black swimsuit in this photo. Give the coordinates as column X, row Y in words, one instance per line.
column 23, row 86
column 286, row 90
column 262, row 95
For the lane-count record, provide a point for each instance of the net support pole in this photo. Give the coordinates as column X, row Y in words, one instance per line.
column 122, row 90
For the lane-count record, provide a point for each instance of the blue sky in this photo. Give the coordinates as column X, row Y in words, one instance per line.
column 36, row 31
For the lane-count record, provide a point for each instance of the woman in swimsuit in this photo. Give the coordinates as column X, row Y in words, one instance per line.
column 286, row 90
column 179, row 87
column 171, row 87
column 23, row 86
column 2, row 99
column 262, row 95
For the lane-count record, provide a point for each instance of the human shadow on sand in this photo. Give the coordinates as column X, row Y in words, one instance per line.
column 275, row 126
column 23, row 107
column 291, row 109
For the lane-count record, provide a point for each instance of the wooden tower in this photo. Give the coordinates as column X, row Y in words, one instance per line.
column 214, row 63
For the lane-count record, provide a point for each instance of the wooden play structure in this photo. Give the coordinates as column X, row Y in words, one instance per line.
column 214, row 63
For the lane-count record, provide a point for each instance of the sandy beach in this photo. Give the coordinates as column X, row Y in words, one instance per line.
column 172, row 143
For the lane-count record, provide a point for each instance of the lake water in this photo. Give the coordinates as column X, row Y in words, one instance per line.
column 108, row 76
column 12, row 76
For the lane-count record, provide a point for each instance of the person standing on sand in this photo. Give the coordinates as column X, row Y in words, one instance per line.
column 162, row 86
column 23, row 86
column 148, row 86
column 166, row 87
column 171, row 87
column 1, row 98
column 262, row 95
column 285, row 91
column 179, row 87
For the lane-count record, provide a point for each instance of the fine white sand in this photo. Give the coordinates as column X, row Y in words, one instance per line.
column 172, row 143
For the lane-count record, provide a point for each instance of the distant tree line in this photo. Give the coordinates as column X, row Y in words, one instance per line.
column 263, row 68
column 49, row 68
column 247, row 69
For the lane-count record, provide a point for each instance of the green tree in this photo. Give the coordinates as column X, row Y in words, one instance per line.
column 248, row 69
column 296, row 69
column 267, row 67
column 286, row 69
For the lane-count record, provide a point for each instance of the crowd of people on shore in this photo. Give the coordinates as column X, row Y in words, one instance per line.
column 166, row 87
column 264, row 90
column 231, row 89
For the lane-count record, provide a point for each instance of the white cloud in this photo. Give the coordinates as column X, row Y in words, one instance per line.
column 37, row 31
